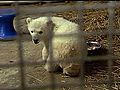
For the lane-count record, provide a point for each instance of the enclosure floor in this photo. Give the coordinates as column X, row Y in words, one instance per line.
column 36, row 74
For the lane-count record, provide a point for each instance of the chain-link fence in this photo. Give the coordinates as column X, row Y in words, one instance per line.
column 49, row 10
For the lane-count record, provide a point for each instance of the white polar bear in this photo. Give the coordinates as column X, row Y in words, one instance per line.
column 64, row 49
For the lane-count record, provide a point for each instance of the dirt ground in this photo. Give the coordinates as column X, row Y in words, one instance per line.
column 36, row 74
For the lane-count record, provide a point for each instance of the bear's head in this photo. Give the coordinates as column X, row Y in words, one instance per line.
column 39, row 28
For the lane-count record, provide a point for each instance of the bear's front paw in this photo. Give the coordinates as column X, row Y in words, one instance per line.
column 72, row 71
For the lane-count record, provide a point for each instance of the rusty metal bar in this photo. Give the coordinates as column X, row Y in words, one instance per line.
column 110, row 40
column 20, row 49
column 54, row 9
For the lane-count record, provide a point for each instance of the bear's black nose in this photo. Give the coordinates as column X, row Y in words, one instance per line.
column 36, row 41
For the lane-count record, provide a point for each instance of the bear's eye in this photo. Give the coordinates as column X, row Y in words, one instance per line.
column 40, row 32
column 31, row 31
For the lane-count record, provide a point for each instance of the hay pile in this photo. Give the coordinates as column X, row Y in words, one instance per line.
column 97, row 20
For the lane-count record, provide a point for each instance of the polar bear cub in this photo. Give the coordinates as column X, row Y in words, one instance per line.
column 66, row 50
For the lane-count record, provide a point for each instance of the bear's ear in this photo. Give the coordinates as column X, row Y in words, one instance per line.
column 28, row 20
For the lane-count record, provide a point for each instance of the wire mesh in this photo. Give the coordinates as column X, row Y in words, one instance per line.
column 61, row 8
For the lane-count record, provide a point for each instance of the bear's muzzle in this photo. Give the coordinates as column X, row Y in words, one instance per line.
column 36, row 41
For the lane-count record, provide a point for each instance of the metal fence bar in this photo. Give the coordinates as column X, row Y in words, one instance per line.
column 116, row 32
column 9, row 88
column 93, row 33
column 20, row 48
column 83, row 42
column 89, row 58
column 50, row 52
column 110, row 39
column 54, row 9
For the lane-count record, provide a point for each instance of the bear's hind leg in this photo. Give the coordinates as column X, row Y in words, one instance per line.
column 52, row 67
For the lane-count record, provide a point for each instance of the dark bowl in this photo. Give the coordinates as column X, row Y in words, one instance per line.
column 95, row 48
column 93, row 45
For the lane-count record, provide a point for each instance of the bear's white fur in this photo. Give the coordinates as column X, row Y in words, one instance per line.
column 64, row 48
